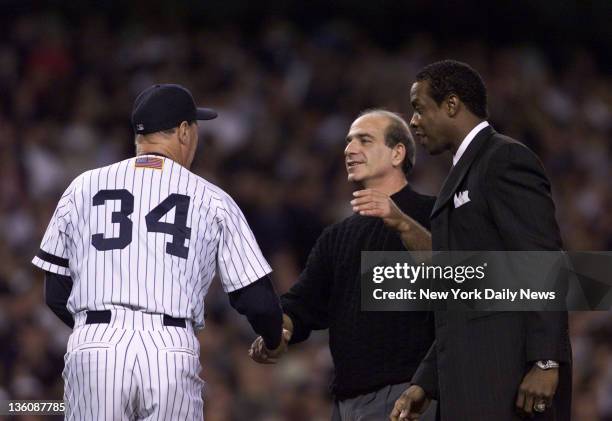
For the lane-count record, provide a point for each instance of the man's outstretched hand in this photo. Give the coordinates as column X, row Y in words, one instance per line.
column 371, row 202
column 415, row 237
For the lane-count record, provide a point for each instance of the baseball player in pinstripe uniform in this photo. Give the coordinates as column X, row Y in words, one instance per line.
column 129, row 255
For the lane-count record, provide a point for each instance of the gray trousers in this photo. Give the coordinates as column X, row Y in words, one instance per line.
column 375, row 406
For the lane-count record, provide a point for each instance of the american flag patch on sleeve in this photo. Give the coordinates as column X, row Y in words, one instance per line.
column 149, row 162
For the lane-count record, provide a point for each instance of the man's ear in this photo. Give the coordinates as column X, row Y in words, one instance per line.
column 452, row 105
column 398, row 154
column 183, row 133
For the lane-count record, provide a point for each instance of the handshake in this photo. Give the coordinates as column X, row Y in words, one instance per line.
column 260, row 354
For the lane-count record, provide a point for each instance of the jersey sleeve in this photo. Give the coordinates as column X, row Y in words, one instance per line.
column 239, row 258
column 54, row 251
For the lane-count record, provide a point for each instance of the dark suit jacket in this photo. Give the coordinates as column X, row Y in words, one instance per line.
column 479, row 359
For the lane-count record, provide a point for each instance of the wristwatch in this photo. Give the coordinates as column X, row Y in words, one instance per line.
column 547, row 364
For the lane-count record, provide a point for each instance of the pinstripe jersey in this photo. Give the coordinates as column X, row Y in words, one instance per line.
column 147, row 234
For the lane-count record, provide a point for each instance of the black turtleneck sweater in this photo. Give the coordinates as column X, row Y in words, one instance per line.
column 370, row 349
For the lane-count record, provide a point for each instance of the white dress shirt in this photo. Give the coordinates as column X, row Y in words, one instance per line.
column 468, row 139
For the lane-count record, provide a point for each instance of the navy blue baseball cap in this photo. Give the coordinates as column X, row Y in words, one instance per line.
column 164, row 106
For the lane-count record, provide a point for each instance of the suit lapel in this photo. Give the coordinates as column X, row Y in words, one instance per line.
column 459, row 171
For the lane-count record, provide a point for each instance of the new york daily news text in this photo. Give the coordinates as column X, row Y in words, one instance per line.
column 486, row 281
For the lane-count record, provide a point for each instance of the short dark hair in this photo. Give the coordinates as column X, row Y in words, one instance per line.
column 454, row 77
column 397, row 131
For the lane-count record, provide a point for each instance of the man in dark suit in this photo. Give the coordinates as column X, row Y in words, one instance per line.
column 486, row 365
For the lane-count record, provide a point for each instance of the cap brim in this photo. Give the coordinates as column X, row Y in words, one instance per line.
column 205, row 114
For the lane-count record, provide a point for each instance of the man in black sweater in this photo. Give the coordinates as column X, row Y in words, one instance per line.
column 375, row 353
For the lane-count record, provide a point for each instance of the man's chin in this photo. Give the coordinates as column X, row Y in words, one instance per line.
column 353, row 178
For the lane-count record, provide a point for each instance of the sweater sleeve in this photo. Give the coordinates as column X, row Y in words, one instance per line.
column 307, row 302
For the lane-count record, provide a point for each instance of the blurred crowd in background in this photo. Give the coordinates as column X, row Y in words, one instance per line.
column 286, row 98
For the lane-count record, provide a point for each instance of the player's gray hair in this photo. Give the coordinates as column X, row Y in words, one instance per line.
column 397, row 132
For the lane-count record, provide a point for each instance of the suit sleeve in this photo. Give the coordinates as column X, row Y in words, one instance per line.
column 519, row 197
column 306, row 303
column 426, row 374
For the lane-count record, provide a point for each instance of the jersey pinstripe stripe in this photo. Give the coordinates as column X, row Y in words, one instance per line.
column 160, row 236
column 143, row 275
